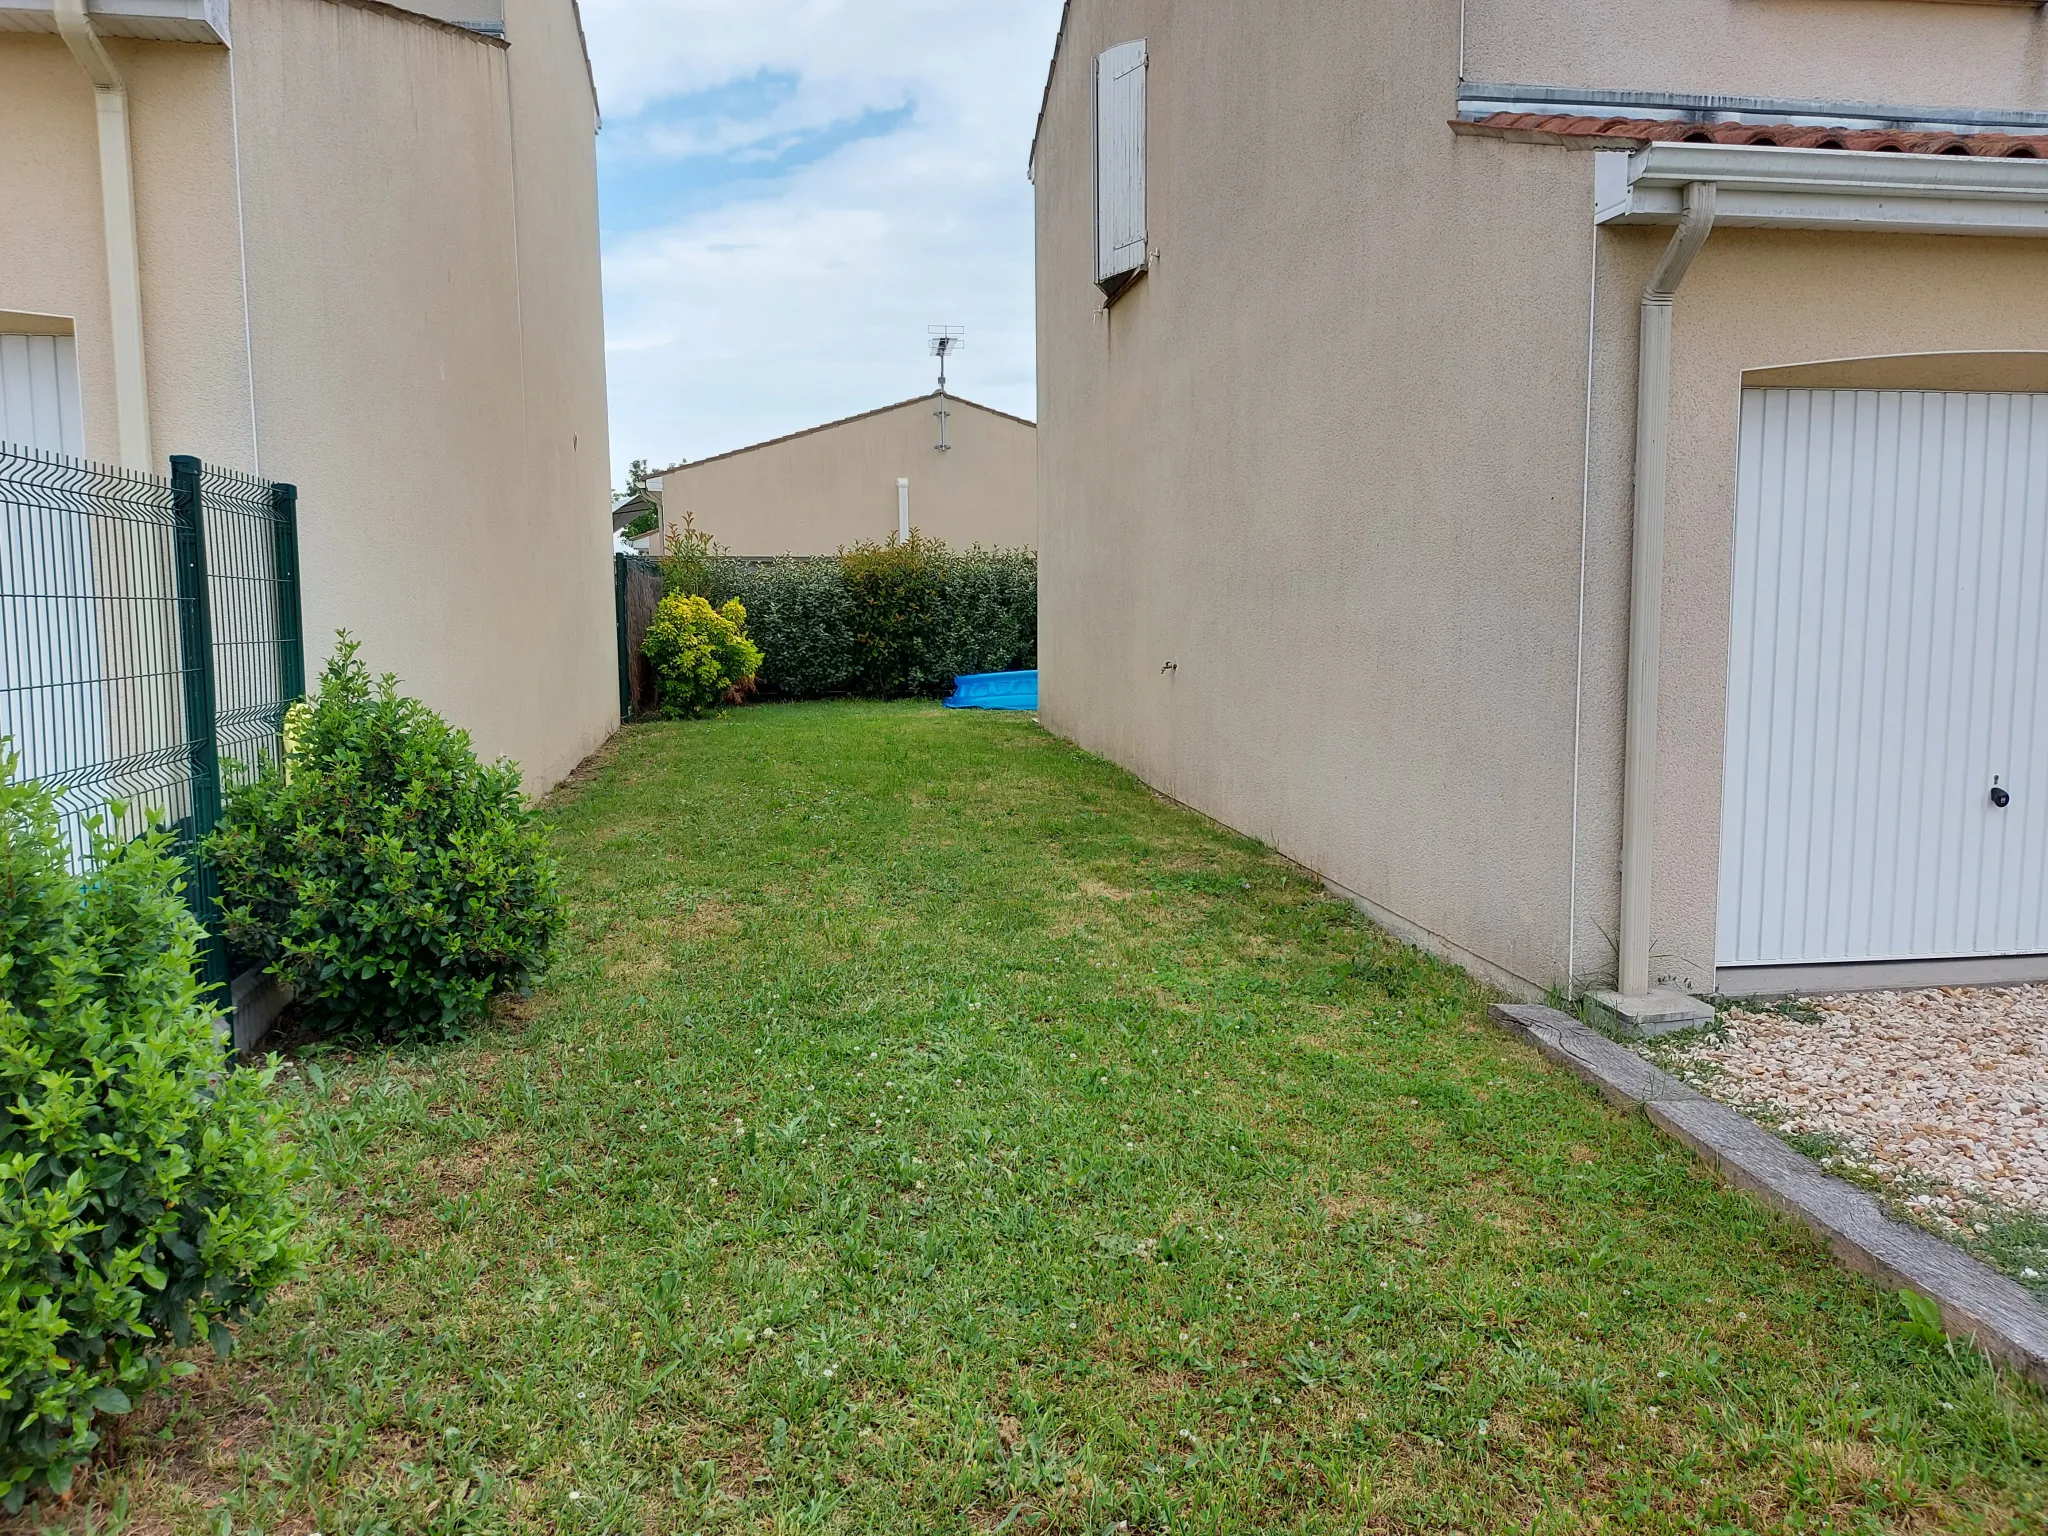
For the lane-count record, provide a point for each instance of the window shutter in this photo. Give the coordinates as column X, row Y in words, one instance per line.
column 1119, row 162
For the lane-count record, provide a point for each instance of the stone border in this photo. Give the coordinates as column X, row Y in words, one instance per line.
column 1977, row 1303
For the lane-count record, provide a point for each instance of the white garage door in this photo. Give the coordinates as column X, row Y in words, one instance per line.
column 1887, row 679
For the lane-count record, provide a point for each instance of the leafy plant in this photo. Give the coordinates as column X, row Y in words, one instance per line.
column 851, row 623
column 895, row 591
column 1921, row 1320
column 799, row 614
column 689, row 561
column 145, row 1189
column 392, row 880
column 700, row 653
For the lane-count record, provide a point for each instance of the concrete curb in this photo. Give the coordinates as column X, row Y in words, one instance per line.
column 1977, row 1303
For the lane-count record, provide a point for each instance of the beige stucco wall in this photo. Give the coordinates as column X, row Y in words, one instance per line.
column 422, row 337
column 1331, row 458
column 1926, row 53
column 52, row 255
column 1325, row 458
column 814, row 492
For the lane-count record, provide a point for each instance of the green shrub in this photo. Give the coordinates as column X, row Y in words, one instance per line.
column 700, row 654
column 988, row 613
column 799, row 614
column 145, row 1189
column 393, row 881
column 895, row 591
column 879, row 619
column 688, row 560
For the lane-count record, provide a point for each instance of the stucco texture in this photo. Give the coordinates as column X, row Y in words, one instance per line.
column 1316, row 490
column 421, row 348
column 816, row 491
column 1905, row 52
column 1324, row 459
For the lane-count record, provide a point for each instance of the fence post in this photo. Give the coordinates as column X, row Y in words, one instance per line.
column 195, row 656
column 291, row 640
column 625, row 660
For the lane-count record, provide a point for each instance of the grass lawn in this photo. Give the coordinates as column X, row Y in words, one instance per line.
column 927, row 1129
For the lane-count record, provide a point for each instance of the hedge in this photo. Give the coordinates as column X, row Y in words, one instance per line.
column 888, row 620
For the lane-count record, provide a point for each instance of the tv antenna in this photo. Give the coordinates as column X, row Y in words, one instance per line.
column 946, row 340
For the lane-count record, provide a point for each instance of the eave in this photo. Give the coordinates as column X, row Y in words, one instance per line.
column 163, row 21
column 1771, row 187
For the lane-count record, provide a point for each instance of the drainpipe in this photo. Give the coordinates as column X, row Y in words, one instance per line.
column 1646, row 589
column 117, row 207
column 903, row 510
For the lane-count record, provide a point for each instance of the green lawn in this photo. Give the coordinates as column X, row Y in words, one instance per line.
column 927, row 1129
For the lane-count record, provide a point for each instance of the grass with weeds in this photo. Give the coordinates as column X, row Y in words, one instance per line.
column 928, row 1129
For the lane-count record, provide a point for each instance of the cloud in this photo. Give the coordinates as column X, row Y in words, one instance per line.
column 793, row 190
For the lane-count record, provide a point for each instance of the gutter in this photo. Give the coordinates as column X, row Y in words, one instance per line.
column 117, row 211
column 1646, row 581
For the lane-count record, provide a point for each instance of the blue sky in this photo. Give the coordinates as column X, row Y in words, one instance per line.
column 792, row 191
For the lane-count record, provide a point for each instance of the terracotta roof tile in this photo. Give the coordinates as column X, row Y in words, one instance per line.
column 1628, row 132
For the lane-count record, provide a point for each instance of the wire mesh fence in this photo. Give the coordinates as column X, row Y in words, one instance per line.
column 149, row 627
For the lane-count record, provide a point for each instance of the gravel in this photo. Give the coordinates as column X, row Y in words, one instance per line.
column 1943, row 1092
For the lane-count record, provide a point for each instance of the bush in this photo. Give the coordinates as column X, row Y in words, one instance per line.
column 701, row 654
column 799, row 615
column 878, row 619
column 988, row 613
column 689, row 560
column 145, row 1189
column 895, row 592
column 393, row 881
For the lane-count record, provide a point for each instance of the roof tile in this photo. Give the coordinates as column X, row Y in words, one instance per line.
column 1626, row 132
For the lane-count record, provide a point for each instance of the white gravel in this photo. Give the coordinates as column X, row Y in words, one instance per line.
column 1946, row 1088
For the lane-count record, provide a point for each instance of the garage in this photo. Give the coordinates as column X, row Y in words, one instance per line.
column 1886, row 754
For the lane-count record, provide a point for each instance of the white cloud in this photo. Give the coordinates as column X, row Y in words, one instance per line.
column 776, row 302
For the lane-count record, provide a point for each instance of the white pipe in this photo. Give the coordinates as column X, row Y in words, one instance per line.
column 1646, row 589
column 117, row 208
column 903, row 511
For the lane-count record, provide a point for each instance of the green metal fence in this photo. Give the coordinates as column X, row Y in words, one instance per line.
column 150, row 641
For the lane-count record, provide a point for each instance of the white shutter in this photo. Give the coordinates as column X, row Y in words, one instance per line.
column 39, row 393
column 1119, row 161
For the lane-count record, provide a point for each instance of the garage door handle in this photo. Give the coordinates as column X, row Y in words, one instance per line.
column 1999, row 797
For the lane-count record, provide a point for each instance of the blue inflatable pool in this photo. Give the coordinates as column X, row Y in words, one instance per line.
column 995, row 690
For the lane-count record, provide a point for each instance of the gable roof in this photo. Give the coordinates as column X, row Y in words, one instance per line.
column 1582, row 132
column 827, row 426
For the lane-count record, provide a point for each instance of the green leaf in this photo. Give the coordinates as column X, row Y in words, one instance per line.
column 110, row 1400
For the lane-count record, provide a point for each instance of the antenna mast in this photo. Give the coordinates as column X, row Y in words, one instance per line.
column 946, row 340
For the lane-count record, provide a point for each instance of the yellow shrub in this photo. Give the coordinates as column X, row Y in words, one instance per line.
column 700, row 653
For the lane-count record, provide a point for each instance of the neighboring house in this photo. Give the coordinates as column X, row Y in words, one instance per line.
column 867, row 477
column 352, row 246
column 1348, row 315
column 640, row 507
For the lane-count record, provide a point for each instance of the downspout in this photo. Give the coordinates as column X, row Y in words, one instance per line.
column 117, row 208
column 1646, row 587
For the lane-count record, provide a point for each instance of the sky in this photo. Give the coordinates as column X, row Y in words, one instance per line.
column 792, row 192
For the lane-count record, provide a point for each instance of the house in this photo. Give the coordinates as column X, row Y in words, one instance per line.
column 955, row 470
column 352, row 246
column 1575, row 477
column 637, row 520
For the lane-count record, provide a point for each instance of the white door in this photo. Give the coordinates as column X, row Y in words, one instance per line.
column 1886, row 789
